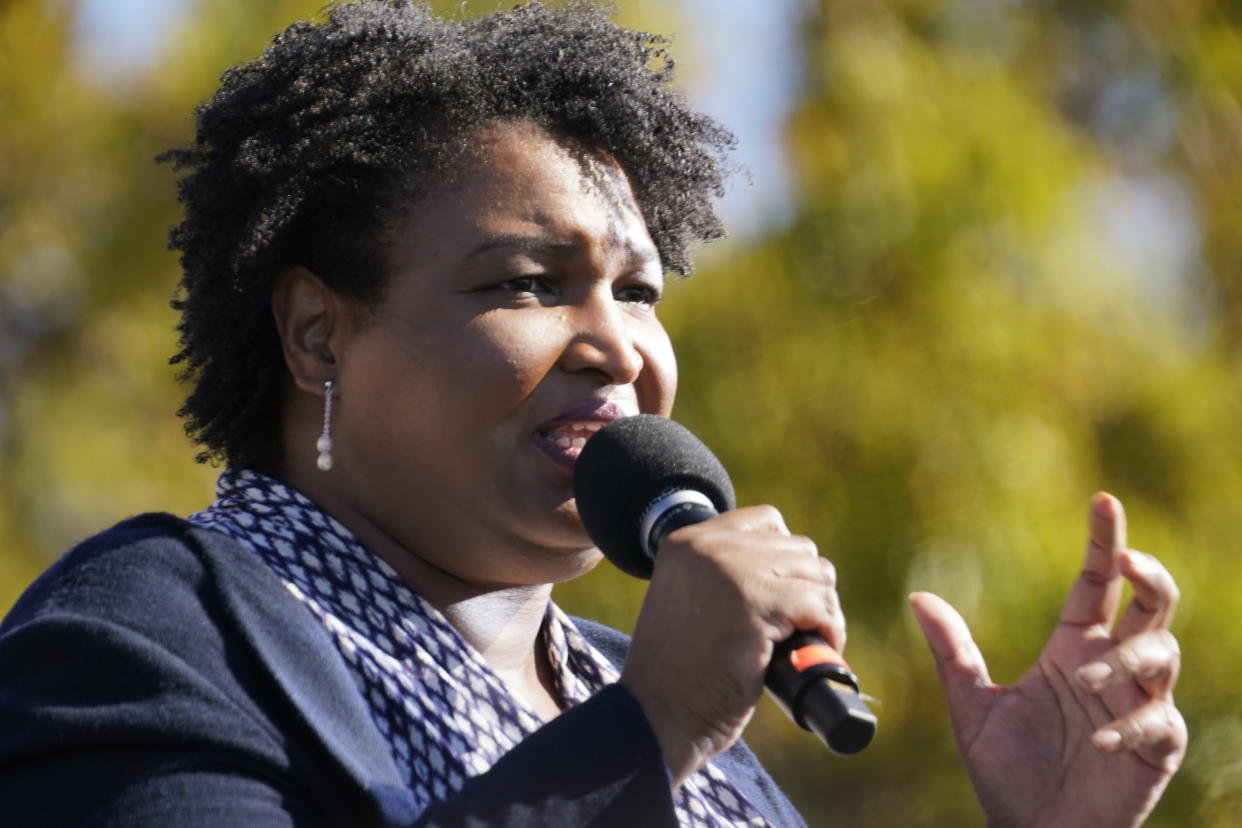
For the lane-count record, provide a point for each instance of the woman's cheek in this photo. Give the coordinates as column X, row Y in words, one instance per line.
column 516, row 354
column 657, row 387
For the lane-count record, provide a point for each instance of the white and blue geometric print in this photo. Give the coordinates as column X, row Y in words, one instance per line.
column 444, row 712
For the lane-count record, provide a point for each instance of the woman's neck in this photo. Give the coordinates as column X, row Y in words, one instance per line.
column 503, row 625
column 501, row 621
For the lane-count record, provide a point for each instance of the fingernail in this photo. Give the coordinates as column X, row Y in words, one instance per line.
column 1095, row 674
column 1103, row 505
column 1107, row 740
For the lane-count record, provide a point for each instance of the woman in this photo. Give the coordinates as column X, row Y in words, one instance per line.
column 422, row 261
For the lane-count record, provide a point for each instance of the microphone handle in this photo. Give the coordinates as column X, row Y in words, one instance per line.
column 812, row 683
column 808, row 678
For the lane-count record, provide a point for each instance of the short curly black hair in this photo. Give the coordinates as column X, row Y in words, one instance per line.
column 306, row 153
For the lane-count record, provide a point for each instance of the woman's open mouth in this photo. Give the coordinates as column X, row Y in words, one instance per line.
column 573, row 435
column 563, row 437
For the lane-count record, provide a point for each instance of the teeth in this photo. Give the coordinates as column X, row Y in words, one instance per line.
column 574, row 435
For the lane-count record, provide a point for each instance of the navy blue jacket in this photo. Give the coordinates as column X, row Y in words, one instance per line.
column 160, row 675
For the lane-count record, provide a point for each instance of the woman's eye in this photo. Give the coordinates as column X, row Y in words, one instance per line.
column 526, row 284
column 639, row 294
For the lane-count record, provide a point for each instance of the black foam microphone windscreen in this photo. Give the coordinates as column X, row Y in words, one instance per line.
column 640, row 478
column 626, row 467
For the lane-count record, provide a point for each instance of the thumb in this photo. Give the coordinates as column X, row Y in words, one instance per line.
column 963, row 672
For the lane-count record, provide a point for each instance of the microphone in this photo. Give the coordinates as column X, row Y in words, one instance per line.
column 640, row 478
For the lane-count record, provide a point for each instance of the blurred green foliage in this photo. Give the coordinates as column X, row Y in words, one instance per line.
column 1014, row 277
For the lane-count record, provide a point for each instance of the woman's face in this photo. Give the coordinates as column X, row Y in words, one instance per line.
column 519, row 316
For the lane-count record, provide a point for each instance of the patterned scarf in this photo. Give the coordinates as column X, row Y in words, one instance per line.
column 444, row 712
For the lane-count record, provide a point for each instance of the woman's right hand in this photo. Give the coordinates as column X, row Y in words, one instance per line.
column 723, row 593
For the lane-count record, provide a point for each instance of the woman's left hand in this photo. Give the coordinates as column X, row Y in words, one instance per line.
column 1090, row 735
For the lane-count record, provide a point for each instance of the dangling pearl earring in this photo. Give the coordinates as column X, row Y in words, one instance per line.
column 324, row 443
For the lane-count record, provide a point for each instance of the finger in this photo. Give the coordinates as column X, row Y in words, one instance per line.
column 741, row 542
column 826, row 614
column 1152, row 658
column 753, row 519
column 827, row 572
column 948, row 637
column 801, row 604
column 1095, row 595
column 1155, row 594
column 962, row 670
column 836, row 618
column 793, row 556
column 809, row 612
column 1157, row 730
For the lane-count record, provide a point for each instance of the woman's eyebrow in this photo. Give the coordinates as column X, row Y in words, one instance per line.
column 520, row 241
column 548, row 245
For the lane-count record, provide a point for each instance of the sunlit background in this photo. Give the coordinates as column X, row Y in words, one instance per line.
column 987, row 261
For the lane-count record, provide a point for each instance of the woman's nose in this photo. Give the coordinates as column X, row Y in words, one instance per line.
column 602, row 340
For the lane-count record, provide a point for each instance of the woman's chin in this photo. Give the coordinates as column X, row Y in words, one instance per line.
column 570, row 534
column 582, row 562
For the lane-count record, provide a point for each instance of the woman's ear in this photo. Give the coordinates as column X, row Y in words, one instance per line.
column 311, row 320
